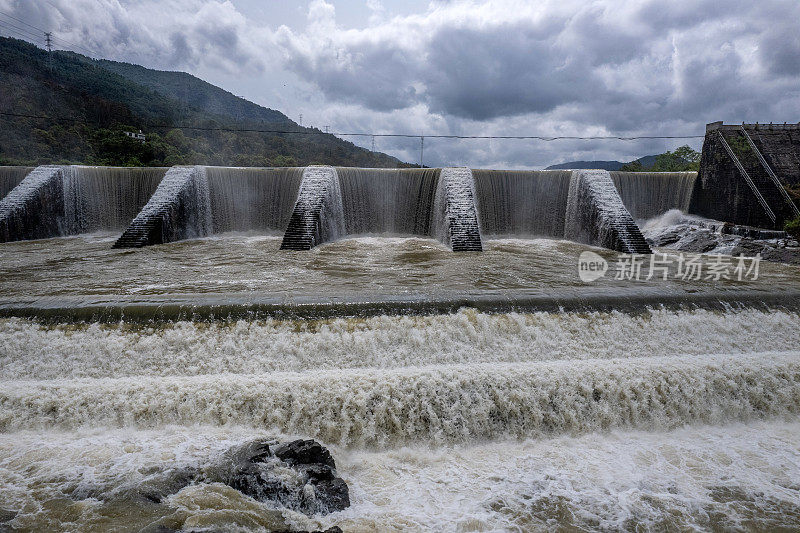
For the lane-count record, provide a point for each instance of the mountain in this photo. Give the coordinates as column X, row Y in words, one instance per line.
column 647, row 162
column 64, row 108
column 195, row 92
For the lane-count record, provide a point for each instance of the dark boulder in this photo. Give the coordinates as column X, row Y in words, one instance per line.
column 299, row 475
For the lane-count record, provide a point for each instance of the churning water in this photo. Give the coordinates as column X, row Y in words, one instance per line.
column 658, row 418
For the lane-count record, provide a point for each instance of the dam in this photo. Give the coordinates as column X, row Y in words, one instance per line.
column 315, row 205
column 428, row 326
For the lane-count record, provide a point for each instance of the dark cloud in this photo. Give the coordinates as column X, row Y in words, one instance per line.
column 486, row 74
column 551, row 67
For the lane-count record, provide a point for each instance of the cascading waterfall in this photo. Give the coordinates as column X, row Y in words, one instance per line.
column 522, row 202
column 10, row 177
column 252, row 199
column 34, row 209
column 317, row 216
column 57, row 201
column 649, row 194
column 455, row 212
column 596, row 215
column 179, row 209
column 387, row 201
column 106, row 198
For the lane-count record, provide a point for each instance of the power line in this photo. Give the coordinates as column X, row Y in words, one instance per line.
column 25, row 34
column 61, row 39
column 397, row 135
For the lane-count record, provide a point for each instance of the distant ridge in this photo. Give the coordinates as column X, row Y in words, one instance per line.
column 647, row 162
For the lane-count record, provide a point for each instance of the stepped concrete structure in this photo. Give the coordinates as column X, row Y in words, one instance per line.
column 34, row 209
column 179, row 209
column 455, row 201
column 317, row 216
column 744, row 173
column 596, row 215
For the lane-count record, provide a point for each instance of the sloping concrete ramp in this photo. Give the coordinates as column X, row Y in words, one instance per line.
column 179, row 209
column 596, row 215
column 317, row 216
column 34, row 209
column 455, row 210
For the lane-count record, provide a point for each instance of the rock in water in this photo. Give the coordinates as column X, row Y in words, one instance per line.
column 299, row 475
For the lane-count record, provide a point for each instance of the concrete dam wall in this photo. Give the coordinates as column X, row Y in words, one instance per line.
column 317, row 204
column 744, row 172
column 53, row 201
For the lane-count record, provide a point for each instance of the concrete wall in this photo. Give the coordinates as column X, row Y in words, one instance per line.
column 721, row 191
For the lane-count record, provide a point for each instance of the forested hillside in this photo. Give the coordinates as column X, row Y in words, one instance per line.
column 90, row 104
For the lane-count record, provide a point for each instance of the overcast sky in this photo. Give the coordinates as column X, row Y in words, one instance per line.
column 504, row 67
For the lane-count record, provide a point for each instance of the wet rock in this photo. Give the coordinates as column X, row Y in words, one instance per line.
column 691, row 234
column 304, row 452
column 299, row 475
column 7, row 515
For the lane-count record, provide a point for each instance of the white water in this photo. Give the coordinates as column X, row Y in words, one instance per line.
column 737, row 476
column 466, row 421
column 35, row 352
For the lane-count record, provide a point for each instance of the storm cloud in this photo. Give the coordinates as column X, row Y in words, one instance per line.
column 560, row 67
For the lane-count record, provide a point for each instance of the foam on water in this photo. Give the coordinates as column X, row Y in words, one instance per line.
column 701, row 477
column 36, row 352
column 437, row 404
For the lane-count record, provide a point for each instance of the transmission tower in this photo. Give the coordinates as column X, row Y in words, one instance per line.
column 48, row 42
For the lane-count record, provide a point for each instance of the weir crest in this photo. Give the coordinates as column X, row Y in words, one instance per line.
column 458, row 206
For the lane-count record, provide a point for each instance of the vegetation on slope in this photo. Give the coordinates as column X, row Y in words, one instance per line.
column 681, row 160
column 90, row 107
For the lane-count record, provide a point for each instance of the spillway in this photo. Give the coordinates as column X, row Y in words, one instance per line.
column 338, row 202
column 387, row 201
column 649, row 194
column 10, row 178
column 252, row 199
column 56, row 201
column 522, row 202
column 319, row 204
column 486, row 391
column 106, row 198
